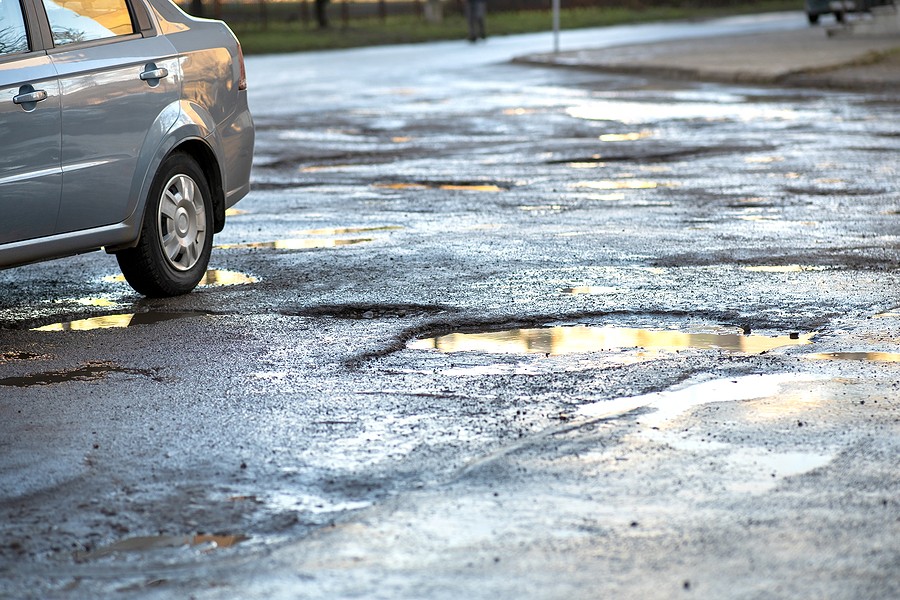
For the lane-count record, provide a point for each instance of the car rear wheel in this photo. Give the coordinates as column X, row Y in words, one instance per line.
column 176, row 236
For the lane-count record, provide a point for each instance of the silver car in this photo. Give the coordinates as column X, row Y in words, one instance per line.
column 124, row 125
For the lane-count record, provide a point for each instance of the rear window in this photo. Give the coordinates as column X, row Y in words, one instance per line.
column 13, row 38
column 73, row 21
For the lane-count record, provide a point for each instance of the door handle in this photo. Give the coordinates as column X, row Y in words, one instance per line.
column 31, row 97
column 153, row 74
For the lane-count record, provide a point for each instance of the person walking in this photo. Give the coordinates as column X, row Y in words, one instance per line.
column 476, row 11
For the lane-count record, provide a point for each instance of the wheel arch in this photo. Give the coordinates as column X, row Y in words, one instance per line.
column 201, row 152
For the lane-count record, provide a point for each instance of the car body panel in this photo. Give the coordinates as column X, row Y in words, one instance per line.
column 30, row 175
column 107, row 113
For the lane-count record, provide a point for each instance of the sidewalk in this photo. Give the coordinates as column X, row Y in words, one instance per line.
column 807, row 57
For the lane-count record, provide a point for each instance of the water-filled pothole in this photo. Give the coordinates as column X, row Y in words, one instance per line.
column 582, row 339
column 212, row 278
column 298, row 243
column 17, row 355
column 119, row 321
column 204, row 542
column 453, row 187
column 863, row 356
column 92, row 371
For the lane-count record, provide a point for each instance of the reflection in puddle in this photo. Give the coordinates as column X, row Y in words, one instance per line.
column 93, row 371
column 544, row 208
column 865, row 356
column 765, row 468
column 783, row 268
column 219, row 277
column 298, row 244
column 119, row 321
column 519, row 111
column 348, row 230
column 614, row 197
column 98, row 302
column 320, row 168
column 624, row 184
column 475, row 187
column 670, row 404
column 625, row 137
column 763, row 160
column 592, row 290
column 213, row 277
column 581, row 339
column 160, row 542
column 647, row 112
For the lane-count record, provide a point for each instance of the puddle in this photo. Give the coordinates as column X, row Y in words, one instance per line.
column 763, row 469
column 669, row 404
column 299, row 244
column 648, row 112
column 863, row 356
column 348, row 230
column 623, row 184
column 458, row 187
column 581, row 339
column 219, row 277
column 625, row 137
column 763, row 160
column 590, row 290
column 94, row 371
column 543, row 208
column 614, row 197
column 212, row 278
column 783, row 268
column 162, row 542
column 119, row 321
column 14, row 355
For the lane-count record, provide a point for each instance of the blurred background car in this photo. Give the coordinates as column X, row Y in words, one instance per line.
column 839, row 8
column 124, row 126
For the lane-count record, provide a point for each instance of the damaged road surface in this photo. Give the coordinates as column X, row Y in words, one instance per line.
column 484, row 330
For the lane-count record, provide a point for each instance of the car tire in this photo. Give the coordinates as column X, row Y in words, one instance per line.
column 839, row 16
column 813, row 18
column 173, row 252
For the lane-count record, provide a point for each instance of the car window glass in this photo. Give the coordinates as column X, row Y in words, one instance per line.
column 83, row 20
column 12, row 28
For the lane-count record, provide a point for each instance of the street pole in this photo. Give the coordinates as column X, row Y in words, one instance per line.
column 556, row 26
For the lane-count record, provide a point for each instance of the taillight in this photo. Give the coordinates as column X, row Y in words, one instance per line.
column 242, row 81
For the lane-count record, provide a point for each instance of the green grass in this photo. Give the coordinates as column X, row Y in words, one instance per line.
column 282, row 36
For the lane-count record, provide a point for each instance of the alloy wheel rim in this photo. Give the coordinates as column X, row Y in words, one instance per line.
column 182, row 222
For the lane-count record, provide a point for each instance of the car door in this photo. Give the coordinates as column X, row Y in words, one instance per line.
column 115, row 77
column 30, row 175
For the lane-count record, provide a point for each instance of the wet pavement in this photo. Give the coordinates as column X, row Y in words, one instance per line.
column 485, row 330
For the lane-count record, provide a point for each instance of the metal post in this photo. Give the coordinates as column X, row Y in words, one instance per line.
column 556, row 26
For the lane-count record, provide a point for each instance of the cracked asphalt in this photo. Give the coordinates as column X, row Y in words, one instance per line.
column 484, row 330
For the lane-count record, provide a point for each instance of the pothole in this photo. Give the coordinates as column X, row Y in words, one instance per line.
column 119, row 321
column 18, row 355
column 858, row 356
column 583, row 339
column 212, row 278
column 484, row 186
column 298, row 243
column 93, row 371
column 368, row 311
column 144, row 544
